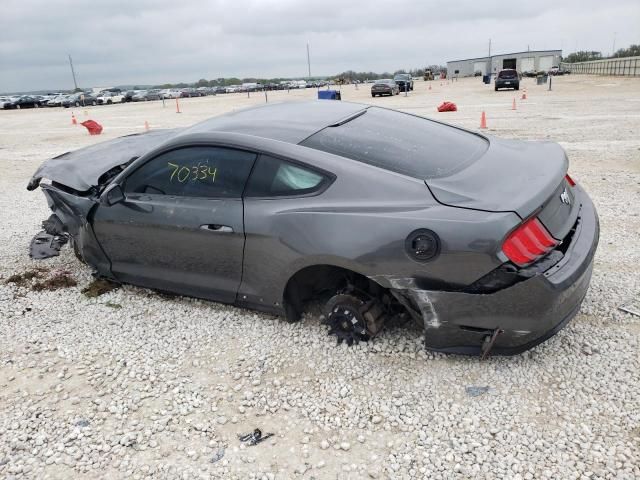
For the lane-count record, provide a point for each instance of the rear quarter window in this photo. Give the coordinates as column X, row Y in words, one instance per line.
column 273, row 177
column 402, row 143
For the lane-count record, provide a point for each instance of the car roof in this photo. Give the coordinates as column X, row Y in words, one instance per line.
column 290, row 122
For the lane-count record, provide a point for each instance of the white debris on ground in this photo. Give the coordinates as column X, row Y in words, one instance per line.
column 136, row 384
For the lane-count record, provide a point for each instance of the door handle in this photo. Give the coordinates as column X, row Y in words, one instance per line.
column 214, row 227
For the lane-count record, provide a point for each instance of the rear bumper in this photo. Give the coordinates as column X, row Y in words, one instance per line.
column 504, row 84
column 527, row 313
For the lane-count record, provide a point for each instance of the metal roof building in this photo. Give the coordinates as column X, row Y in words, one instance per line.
column 534, row 60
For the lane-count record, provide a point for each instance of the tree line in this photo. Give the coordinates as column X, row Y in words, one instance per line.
column 585, row 56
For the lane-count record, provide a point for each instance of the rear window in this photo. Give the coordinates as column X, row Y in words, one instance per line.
column 508, row 74
column 401, row 143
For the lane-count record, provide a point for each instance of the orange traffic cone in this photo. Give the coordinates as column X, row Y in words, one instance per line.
column 146, row 125
column 429, row 86
column 524, row 94
column 177, row 106
column 73, row 119
column 513, row 105
column 483, row 121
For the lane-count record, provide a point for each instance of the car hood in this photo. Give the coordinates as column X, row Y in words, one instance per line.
column 81, row 169
column 512, row 175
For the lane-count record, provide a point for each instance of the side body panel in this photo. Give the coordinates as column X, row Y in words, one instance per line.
column 164, row 243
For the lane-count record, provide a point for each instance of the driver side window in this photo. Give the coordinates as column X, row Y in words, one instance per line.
column 212, row 172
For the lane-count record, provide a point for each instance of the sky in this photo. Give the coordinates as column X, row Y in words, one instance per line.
column 120, row 42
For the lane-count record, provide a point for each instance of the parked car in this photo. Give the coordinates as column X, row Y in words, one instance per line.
column 146, row 95
column 189, row 92
column 153, row 94
column 107, row 98
column 81, row 99
column 404, row 80
column 170, row 93
column 22, row 101
column 557, row 71
column 42, row 99
column 507, row 78
column 386, row 86
column 56, row 101
column 128, row 95
column 377, row 214
column 203, row 91
column 4, row 101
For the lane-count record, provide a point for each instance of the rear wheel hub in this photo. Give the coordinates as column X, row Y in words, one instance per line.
column 345, row 319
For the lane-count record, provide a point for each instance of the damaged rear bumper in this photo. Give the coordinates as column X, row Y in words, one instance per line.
column 523, row 315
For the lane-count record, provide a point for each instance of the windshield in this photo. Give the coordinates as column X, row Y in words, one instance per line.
column 402, row 143
column 508, row 74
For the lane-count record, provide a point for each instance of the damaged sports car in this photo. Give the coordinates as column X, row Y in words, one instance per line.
column 381, row 215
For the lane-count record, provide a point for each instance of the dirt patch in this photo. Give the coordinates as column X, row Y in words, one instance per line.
column 58, row 279
column 25, row 278
column 99, row 287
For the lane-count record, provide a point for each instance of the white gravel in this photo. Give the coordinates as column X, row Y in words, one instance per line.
column 134, row 384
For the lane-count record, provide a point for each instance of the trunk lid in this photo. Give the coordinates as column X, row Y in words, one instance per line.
column 81, row 169
column 523, row 177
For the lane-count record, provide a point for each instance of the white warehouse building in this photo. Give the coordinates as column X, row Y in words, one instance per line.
column 530, row 61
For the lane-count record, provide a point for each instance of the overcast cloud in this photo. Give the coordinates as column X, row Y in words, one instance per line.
column 158, row 41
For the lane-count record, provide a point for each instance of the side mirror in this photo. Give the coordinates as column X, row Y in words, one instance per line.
column 112, row 195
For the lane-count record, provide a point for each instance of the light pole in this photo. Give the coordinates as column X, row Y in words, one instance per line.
column 75, row 83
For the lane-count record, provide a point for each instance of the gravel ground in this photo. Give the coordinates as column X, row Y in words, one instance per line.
column 135, row 384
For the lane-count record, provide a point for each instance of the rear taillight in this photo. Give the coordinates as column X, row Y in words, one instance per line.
column 570, row 180
column 528, row 243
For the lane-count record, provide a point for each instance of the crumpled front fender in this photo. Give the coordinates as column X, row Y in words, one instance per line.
column 74, row 213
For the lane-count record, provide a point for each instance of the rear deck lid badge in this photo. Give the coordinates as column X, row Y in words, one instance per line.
column 564, row 196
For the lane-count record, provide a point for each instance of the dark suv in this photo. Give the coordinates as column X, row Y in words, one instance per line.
column 508, row 78
column 403, row 79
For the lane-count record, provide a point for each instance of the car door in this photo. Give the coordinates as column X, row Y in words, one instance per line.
column 180, row 225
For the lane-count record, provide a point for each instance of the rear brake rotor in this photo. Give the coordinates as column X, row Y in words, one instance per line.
column 346, row 322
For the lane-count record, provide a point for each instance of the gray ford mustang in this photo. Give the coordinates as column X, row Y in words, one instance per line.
column 379, row 214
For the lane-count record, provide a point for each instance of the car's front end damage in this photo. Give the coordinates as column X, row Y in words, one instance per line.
column 72, row 183
column 512, row 309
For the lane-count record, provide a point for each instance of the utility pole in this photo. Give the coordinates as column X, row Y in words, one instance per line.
column 308, row 61
column 490, row 61
column 613, row 49
column 75, row 83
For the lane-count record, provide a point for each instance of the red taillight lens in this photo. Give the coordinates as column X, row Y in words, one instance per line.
column 528, row 242
column 570, row 180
